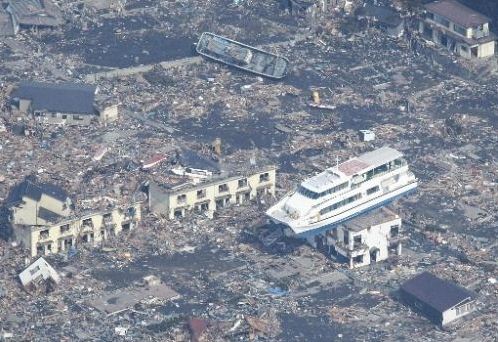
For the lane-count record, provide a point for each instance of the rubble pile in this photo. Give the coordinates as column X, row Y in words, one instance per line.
column 234, row 279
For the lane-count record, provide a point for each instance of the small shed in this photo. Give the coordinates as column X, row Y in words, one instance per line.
column 439, row 300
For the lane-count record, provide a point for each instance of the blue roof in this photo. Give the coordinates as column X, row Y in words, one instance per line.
column 71, row 98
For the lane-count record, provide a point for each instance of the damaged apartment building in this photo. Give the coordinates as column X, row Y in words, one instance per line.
column 364, row 239
column 176, row 200
column 61, row 103
column 458, row 28
column 44, row 221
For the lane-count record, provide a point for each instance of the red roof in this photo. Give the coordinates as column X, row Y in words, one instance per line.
column 352, row 167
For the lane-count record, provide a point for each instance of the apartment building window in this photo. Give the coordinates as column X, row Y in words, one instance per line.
column 87, row 222
column 264, row 177
column 459, row 29
column 463, row 48
column 181, row 198
column 430, row 16
column 442, row 21
column 77, row 117
column 358, row 259
column 357, row 240
column 44, row 234
column 201, row 193
column 394, row 230
column 222, row 188
column 242, row 182
column 64, row 228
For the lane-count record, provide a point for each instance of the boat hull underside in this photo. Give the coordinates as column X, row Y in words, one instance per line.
column 262, row 63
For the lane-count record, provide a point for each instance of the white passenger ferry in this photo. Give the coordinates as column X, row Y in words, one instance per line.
column 344, row 191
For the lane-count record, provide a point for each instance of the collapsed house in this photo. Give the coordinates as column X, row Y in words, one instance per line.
column 364, row 239
column 439, row 300
column 44, row 221
column 383, row 17
column 29, row 14
column 39, row 275
column 458, row 28
column 61, row 103
column 190, row 164
column 175, row 200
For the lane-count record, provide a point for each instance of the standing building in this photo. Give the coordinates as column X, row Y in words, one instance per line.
column 365, row 239
column 60, row 103
column 211, row 195
column 44, row 220
column 458, row 28
column 439, row 300
column 30, row 14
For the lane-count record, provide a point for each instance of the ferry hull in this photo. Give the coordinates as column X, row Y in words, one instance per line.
column 330, row 223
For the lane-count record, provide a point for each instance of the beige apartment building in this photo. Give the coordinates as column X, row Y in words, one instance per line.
column 211, row 195
column 43, row 220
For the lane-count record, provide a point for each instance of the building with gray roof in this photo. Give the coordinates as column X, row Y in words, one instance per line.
column 34, row 14
column 458, row 28
column 439, row 300
column 58, row 103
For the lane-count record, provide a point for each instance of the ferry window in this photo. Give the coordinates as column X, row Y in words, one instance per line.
column 340, row 204
column 380, row 169
column 308, row 193
column 334, row 189
column 398, row 162
column 373, row 190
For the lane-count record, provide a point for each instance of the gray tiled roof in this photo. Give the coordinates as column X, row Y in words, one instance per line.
column 457, row 13
column 70, row 98
column 35, row 12
column 435, row 292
